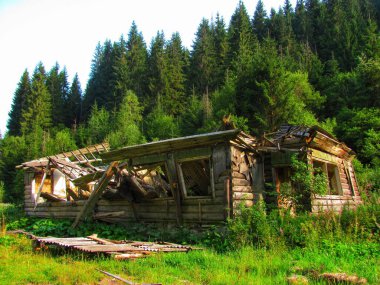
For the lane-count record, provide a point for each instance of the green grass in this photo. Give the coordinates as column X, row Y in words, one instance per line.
column 256, row 248
column 19, row 264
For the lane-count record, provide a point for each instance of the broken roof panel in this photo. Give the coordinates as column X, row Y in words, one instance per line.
column 315, row 137
column 177, row 144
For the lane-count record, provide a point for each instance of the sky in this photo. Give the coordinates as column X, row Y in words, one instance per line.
column 67, row 32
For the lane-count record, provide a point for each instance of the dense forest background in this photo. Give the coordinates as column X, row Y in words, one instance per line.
column 317, row 63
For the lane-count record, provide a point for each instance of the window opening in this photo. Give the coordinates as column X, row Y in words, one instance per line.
column 196, row 177
column 332, row 174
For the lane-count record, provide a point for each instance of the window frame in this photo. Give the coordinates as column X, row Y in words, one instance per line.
column 326, row 172
column 182, row 180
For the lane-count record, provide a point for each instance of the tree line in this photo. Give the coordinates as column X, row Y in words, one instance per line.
column 317, row 63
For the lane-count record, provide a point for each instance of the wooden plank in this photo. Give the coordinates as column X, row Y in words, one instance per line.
column 193, row 153
column 219, row 160
column 144, row 209
column 173, row 180
column 95, row 195
column 88, row 178
column 228, row 198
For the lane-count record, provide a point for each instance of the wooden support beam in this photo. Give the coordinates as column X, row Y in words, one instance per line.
column 173, row 180
column 95, row 195
column 42, row 185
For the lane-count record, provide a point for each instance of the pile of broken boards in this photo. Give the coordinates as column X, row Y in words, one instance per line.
column 82, row 177
column 120, row 250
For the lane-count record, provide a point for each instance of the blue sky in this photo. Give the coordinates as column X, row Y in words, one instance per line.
column 67, row 31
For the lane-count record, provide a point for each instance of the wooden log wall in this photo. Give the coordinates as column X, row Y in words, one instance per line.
column 194, row 210
column 241, row 176
column 334, row 203
column 350, row 196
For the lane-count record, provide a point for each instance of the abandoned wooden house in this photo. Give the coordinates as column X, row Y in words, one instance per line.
column 200, row 179
column 322, row 152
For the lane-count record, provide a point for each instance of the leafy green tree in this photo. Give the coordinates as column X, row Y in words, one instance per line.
column 60, row 142
column 192, row 120
column 127, row 123
column 98, row 125
column 19, row 105
column 13, row 151
column 160, row 125
column 360, row 129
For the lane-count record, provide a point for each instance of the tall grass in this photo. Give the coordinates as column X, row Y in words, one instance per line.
column 257, row 247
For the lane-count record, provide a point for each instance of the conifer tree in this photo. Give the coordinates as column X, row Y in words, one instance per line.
column 300, row 22
column 73, row 104
column 58, row 88
column 38, row 104
column 137, row 56
column 259, row 21
column 203, row 60
column 241, row 39
column 119, row 80
column 173, row 101
column 219, row 34
column 19, row 105
column 127, row 123
column 99, row 87
column 158, row 73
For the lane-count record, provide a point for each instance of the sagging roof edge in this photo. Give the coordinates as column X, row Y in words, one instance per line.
column 245, row 140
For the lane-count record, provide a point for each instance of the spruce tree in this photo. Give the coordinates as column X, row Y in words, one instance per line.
column 203, row 60
column 137, row 56
column 58, row 88
column 19, row 105
column 73, row 104
column 119, row 80
column 241, row 39
column 158, row 73
column 173, row 100
column 219, row 34
column 99, row 87
column 38, row 104
column 259, row 21
column 300, row 22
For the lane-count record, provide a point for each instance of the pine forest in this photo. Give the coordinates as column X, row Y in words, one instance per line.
column 315, row 63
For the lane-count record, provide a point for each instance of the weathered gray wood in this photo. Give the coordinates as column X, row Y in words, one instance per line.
column 95, row 195
column 174, row 185
column 41, row 186
column 219, row 159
